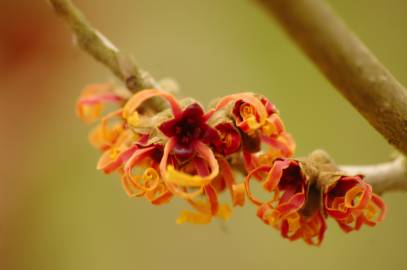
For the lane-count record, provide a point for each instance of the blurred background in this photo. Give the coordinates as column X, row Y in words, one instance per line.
column 58, row 212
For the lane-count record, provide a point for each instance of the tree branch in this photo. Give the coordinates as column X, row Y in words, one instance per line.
column 347, row 63
column 94, row 43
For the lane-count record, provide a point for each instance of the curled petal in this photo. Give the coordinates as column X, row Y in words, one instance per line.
column 171, row 175
column 130, row 109
column 295, row 203
column 374, row 212
column 148, row 181
column 380, row 206
column 103, row 140
column 256, row 201
column 238, row 194
column 276, row 172
column 181, row 192
column 129, row 188
column 159, row 195
column 263, row 212
column 337, row 209
column 193, row 218
column 251, row 162
column 212, row 198
column 110, row 132
column 237, row 191
column 150, row 178
column 346, row 196
column 281, row 146
column 273, row 126
column 351, row 202
column 90, row 103
column 247, row 117
column 114, row 158
column 358, row 197
column 291, row 224
column 310, row 229
column 226, row 172
column 229, row 139
column 209, row 190
column 224, row 212
column 345, row 227
column 203, row 216
column 270, row 108
column 249, row 111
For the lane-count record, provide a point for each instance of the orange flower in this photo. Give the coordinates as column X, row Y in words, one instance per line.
column 287, row 186
column 351, row 202
column 187, row 165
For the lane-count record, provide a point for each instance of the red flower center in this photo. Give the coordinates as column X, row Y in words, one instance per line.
column 188, row 128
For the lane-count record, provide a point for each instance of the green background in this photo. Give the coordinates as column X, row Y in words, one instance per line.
column 66, row 215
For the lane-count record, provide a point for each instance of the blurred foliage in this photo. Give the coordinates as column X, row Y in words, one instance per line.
column 63, row 214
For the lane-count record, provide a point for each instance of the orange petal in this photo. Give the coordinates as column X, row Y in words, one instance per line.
column 193, row 218
column 238, row 194
column 130, row 189
column 275, row 173
column 171, row 175
column 264, row 168
column 89, row 105
column 134, row 103
column 273, row 126
column 212, row 199
column 247, row 97
column 361, row 192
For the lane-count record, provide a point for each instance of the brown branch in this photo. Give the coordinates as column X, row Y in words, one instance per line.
column 347, row 63
column 94, row 43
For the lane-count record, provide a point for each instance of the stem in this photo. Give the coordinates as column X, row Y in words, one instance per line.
column 94, row 43
column 347, row 64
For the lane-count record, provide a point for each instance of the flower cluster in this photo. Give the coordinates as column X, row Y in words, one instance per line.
column 188, row 153
column 297, row 207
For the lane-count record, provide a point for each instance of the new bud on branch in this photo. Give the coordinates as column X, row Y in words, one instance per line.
column 184, row 152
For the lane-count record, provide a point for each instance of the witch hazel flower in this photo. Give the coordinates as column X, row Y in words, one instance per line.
column 351, row 202
column 300, row 198
column 287, row 185
column 259, row 122
column 180, row 151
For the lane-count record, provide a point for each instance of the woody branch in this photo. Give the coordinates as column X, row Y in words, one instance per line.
column 340, row 55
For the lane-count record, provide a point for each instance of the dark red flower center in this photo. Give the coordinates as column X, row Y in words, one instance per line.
column 187, row 129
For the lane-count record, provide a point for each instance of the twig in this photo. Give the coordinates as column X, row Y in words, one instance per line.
column 94, row 43
column 347, row 63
